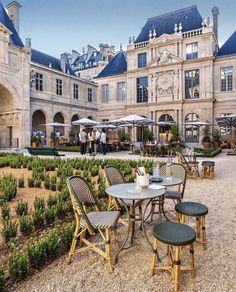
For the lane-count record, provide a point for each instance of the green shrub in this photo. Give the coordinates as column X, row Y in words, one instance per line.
column 36, row 254
column 37, row 183
column 21, row 182
column 18, row 265
column 5, row 211
column 49, row 215
column 30, row 182
column 9, row 230
column 39, row 203
column 60, row 210
column 66, row 235
column 2, row 278
column 47, row 182
column 52, row 243
column 22, row 208
column 26, row 225
column 52, row 200
column 38, row 219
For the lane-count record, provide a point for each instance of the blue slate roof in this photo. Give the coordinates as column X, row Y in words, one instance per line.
column 189, row 17
column 83, row 59
column 229, row 47
column 6, row 21
column 117, row 65
column 44, row 59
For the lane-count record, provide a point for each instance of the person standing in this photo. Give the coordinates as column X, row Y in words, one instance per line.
column 91, row 136
column 104, row 141
column 83, row 141
column 97, row 141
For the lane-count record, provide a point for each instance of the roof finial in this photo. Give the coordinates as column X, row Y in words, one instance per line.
column 120, row 46
column 50, row 65
column 130, row 41
column 208, row 22
column 180, row 27
column 154, row 33
column 133, row 39
column 203, row 22
column 176, row 28
column 150, row 34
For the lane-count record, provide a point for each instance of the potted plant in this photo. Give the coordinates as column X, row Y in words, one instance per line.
column 34, row 141
column 53, row 139
column 216, row 139
column 206, row 140
column 39, row 140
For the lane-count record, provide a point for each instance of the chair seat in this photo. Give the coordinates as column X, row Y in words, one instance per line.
column 129, row 202
column 102, row 220
column 174, row 195
column 175, row 234
column 208, row 163
column 191, row 209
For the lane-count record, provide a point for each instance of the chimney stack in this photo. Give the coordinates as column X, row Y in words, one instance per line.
column 13, row 10
column 215, row 13
column 65, row 60
column 28, row 43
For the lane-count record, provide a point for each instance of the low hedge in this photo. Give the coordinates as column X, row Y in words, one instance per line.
column 209, row 152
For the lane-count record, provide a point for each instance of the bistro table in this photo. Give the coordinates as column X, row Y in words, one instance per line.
column 129, row 191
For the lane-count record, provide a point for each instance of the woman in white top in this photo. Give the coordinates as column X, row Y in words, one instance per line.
column 103, row 141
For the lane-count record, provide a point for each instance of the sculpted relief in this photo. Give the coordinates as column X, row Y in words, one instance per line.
column 166, row 83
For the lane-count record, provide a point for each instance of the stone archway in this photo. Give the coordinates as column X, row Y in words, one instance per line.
column 59, row 118
column 165, row 129
column 38, row 121
column 10, row 120
column 74, row 131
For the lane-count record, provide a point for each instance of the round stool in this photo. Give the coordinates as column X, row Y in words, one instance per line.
column 193, row 209
column 176, row 236
column 208, row 169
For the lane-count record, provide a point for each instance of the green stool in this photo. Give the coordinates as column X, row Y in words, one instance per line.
column 208, row 169
column 176, row 236
column 193, row 209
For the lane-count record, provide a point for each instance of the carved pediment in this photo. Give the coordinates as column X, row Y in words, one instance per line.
column 164, row 57
column 164, row 39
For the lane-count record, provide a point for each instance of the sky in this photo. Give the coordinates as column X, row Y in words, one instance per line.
column 57, row 26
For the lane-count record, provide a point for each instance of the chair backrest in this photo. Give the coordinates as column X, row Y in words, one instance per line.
column 181, row 159
column 113, row 175
column 178, row 170
column 80, row 197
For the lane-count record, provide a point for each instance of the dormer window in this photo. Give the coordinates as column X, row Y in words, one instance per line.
column 192, row 51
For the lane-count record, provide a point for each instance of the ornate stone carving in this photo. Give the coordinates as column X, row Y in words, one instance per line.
column 166, row 83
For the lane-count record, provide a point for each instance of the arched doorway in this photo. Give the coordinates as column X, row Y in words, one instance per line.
column 8, row 131
column 59, row 119
column 165, row 127
column 74, row 131
column 191, row 131
column 38, row 119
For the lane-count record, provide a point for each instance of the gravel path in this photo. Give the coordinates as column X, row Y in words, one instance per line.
column 216, row 268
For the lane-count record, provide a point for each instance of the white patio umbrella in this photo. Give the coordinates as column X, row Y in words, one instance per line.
column 84, row 122
column 163, row 124
column 105, row 126
column 56, row 124
column 227, row 121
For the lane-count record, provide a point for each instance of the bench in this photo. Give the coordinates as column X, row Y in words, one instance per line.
column 45, row 151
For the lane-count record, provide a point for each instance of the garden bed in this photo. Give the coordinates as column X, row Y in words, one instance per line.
column 210, row 152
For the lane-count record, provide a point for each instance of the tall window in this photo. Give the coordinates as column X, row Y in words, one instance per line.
column 76, row 91
column 142, row 60
column 105, row 93
column 226, row 78
column 192, row 51
column 59, row 87
column 192, row 84
column 191, row 131
column 142, row 89
column 120, row 91
column 90, row 94
column 39, row 81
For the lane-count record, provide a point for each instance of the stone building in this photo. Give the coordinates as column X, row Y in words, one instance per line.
column 173, row 71
column 36, row 88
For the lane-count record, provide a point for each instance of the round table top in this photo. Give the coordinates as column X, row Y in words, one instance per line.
column 129, row 191
column 168, row 181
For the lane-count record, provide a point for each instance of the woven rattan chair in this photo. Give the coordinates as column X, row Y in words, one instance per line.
column 179, row 171
column 103, row 222
column 191, row 166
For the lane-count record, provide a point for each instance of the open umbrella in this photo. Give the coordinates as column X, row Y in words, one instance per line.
column 105, row 126
column 56, row 124
column 227, row 121
column 84, row 122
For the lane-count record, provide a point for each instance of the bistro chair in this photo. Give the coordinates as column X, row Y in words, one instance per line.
column 176, row 236
column 179, row 171
column 191, row 166
column 197, row 210
column 103, row 222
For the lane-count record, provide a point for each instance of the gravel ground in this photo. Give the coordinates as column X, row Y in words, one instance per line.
column 215, row 267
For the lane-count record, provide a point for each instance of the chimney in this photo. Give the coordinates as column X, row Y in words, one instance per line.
column 28, row 43
column 215, row 13
column 13, row 10
column 65, row 59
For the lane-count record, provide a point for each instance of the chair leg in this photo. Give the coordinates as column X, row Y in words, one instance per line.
column 152, row 210
column 192, row 263
column 83, row 234
column 116, row 238
column 74, row 241
column 154, row 256
column 176, row 270
column 108, row 250
column 204, row 232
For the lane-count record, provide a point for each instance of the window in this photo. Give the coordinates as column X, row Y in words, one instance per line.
column 226, row 74
column 39, row 81
column 192, row 84
column 142, row 89
column 90, row 94
column 191, row 131
column 59, row 87
column 120, row 91
column 105, row 93
column 76, row 91
column 225, row 130
column 192, row 51
column 142, row 60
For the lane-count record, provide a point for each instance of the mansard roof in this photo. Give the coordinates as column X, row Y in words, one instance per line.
column 84, row 58
column 189, row 17
column 229, row 47
column 44, row 59
column 117, row 65
column 7, row 22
